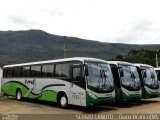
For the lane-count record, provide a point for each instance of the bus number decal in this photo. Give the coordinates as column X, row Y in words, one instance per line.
column 75, row 95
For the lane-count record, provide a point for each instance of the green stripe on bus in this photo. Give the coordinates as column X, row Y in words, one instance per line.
column 52, row 85
column 49, row 95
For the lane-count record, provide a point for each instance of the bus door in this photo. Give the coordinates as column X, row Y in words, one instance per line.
column 143, row 76
column 117, row 82
column 116, row 76
column 75, row 85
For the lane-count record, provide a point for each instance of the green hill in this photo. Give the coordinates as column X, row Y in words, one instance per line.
column 37, row 45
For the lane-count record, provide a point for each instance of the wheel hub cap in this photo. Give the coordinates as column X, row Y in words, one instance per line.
column 63, row 101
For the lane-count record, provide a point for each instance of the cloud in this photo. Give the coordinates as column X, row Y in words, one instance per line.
column 123, row 21
column 22, row 20
column 142, row 32
column 56, row 11
column 143, row 25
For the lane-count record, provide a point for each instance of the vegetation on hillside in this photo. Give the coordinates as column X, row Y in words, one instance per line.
column 139, row 56
column 37, row 45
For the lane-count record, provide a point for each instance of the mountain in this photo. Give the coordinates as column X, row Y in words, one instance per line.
column 37, row 45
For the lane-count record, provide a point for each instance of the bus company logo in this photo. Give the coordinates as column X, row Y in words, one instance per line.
column 30, row 82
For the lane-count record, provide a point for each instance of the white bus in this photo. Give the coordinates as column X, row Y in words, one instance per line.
column 126, row 80
column 76, row 81
column 149, row 81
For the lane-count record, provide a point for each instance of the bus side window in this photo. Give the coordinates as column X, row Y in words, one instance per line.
column 62, row 70
column 17, row 72
column 25, row 71
column 36, row 71
column 58, row 70
column 50, row 70
column 4, row 72
column 44, row 71
column 76, row 74
column 65, row 70
column 9, row 72
column 32, row 72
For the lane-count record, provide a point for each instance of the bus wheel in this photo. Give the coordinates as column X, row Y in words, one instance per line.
column 19, row 95
column 63, row 101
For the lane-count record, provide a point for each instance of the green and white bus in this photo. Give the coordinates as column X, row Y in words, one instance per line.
column 158, row 77
column 149, row 81
column 126, row 80
column 76, row 81
column 1, row 72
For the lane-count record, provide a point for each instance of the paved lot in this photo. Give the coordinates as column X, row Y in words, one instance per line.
column 9, row 105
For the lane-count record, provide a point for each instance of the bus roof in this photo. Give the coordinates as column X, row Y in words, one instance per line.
column 140, row 65
column 58, row 60
column 156, row 68
column 119, row 62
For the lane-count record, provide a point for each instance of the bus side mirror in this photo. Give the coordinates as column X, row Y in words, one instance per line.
column 86, row 70
column 121, row 71
column 143, row 71
column 158, row 75
column 145, row 75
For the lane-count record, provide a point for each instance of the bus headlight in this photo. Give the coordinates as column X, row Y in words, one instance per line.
column 140, row 92
column 92, row 95
column 125, row 92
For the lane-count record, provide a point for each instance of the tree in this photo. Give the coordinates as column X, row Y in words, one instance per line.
column 138, row 56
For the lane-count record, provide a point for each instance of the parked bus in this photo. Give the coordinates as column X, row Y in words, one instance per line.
column 1, row 71
column 75, row 81
column 126, row 80
column 149, row 81
column 158, row 77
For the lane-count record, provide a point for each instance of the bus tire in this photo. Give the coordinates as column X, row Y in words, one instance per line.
column 19, row 94
column 63, row 100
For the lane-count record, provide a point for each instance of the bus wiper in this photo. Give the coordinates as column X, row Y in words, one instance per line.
column 154, row 83
column 105, row 77
column 133, row 79
column 132, row 75
column 100, row 78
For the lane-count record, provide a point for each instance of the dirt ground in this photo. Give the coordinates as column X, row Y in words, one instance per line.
column 9, row 105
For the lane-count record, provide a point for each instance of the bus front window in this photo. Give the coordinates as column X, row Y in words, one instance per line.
column 151, row 77
column 131, row 79
column 100, row 77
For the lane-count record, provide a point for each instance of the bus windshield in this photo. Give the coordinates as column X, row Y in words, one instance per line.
column 131, row 78
column 100, row 77
column 150, row 79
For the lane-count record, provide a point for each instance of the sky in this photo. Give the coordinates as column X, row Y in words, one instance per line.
column 115, row 21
